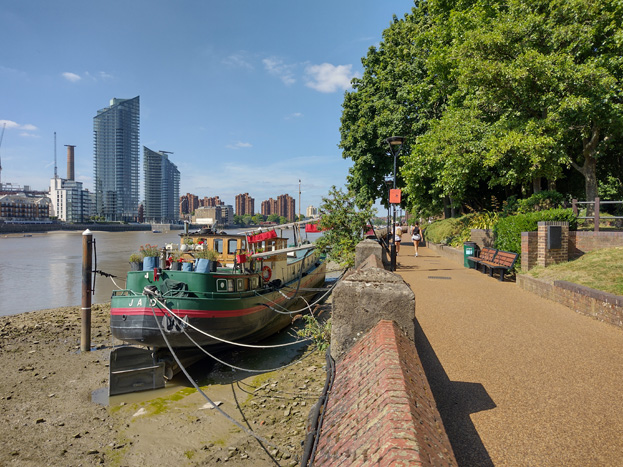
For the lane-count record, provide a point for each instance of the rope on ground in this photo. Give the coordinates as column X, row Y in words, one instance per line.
column 205, row 396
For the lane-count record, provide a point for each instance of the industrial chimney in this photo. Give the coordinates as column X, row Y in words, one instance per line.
column 70, row 161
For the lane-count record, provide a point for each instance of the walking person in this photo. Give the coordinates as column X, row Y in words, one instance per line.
column 398, row 237
column 416, row 236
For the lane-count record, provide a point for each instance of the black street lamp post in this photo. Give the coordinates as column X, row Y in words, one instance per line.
column 393, row 142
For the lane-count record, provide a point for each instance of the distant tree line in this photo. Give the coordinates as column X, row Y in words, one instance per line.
column 257, row 219
column 496, row 98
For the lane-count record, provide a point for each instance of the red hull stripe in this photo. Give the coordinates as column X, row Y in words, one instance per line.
column 190, row 313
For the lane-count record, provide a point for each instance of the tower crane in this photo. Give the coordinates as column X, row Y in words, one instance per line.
column 1, row 136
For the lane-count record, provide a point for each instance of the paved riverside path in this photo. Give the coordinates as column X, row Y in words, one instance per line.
column 519, row 380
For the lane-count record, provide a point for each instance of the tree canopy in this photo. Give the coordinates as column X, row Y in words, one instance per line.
column 494, row 97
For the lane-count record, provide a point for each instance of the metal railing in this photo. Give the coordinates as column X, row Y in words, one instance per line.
column 597, row 203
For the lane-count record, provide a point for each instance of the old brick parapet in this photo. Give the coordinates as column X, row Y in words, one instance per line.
column 381, row 410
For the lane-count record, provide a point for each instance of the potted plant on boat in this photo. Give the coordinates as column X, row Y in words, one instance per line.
column 150, row 256
column 176, row 262
column 206, row 260
column 136, row 261
column 187, row 244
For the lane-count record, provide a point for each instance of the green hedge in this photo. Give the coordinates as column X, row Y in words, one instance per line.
column 445, row 231
column 508, row 229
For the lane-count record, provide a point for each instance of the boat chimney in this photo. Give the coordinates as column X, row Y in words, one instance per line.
column 70, row 161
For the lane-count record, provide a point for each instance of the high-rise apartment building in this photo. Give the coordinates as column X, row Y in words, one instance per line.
column 70, row 202
column 211, row 202
column 245, row 205
column 116, row 159
column 162, row 187
column 283, row 206
column 287, row 207
column 311, row 211
column 269, row 207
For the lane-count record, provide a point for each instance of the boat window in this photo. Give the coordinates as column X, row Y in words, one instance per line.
column 218, row 245
column 230, row 285
column 240, row 284
column 232, row 246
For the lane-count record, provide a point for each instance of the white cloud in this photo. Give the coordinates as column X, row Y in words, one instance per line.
column 283, row 71
column 16, row 126
column 239, row 145
column 71, row 77
column 238, row 60
column 294, row 115
column 329, row 78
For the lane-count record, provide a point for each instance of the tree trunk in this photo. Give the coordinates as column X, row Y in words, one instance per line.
column 589, row 169
column 536, row 185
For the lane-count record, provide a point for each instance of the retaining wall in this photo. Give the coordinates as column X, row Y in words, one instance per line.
column 448, row 252
column 380, row 410
column 600, row 305
column 583, row 242
column 33, row 228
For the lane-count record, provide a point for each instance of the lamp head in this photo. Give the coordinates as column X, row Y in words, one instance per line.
column 395, row 140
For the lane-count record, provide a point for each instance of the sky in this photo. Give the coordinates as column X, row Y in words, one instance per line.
column 246, row 94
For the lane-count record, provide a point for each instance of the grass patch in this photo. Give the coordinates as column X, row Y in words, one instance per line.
column 599, row 269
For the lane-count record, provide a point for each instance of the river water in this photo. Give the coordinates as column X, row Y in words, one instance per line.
column 44, row 270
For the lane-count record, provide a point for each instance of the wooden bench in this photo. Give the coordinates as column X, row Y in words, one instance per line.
column 486, row 254
column 503, row 261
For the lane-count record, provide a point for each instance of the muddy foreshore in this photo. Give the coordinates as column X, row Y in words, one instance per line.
column 48, row 417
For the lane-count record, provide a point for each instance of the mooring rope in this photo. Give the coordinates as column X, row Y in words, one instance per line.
column 292, row 312
column 225, row 341
column 247, row 369
column 205, row 396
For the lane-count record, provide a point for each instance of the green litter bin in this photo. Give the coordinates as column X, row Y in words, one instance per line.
column 469, row 249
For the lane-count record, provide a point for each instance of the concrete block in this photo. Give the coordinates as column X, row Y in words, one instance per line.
column 364, row 298
column 366, row 248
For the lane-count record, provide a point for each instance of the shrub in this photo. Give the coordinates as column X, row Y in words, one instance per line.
column 455, row 231
column 448, row 231
column 508, row 229
column 149, row 250
column 207, row 254
column 541, row 201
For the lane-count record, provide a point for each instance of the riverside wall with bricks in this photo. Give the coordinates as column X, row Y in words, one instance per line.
column 380, row 409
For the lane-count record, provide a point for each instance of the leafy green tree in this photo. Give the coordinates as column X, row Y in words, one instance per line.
column 494, row 96
column 345, row 225
column 283, row 220
column 258, row 218
column 273, row 218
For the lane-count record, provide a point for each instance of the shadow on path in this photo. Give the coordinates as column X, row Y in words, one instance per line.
column 456, row 400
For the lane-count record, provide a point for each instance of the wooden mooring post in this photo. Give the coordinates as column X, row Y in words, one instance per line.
column 87, row 268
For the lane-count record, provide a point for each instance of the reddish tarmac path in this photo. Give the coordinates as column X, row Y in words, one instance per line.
column 519, row 380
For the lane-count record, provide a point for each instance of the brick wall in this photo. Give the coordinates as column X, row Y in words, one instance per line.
column 529, row 250
column 381, row 410
column 583, row 242
column 546, row 255
column 602, row 306
column 483, row 237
